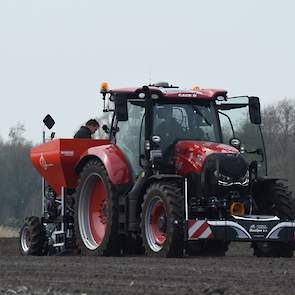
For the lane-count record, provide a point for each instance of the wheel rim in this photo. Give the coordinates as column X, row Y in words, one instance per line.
column 92, row 211
column 156, row 224
column 26, row 239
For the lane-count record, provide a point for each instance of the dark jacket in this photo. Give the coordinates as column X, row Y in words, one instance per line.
column 83, row 132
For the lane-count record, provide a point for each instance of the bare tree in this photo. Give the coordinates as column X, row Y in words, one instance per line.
column 16, row 134
column 19, row 182
column 279, row 133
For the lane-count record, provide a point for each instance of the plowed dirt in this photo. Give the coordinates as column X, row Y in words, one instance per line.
column 237, row 273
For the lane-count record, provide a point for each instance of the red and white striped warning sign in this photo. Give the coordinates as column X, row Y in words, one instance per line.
column 199, row 229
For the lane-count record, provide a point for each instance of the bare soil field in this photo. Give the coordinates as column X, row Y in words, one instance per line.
column 237, row 273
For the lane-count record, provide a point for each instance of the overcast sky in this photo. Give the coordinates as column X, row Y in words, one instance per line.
column 55, row 53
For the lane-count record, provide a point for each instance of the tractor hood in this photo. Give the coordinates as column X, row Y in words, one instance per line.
column 191, row 155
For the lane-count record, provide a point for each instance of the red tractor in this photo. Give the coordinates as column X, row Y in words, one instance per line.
column 183, row 172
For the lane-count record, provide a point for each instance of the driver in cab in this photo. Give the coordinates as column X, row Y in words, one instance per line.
column 168, row 129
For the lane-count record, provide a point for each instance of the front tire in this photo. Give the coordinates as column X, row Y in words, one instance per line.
column 32, row 238
column 277, row 200
column 96, row 214
column 162, row 220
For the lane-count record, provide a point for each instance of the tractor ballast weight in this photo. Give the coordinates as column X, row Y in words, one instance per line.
column 171, row 179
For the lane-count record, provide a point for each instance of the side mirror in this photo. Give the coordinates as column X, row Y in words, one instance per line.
column 254, row 110
column 121, row 110
column 235, row 142
column 52, row 135
column 48, row 121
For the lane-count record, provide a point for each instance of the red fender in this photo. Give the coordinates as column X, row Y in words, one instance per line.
column 113, row 159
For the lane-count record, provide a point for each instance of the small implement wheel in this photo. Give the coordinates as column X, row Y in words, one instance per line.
column 32, row 237
column 96, row 216
column 162, row 220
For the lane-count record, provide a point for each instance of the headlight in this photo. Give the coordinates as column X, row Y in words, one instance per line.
column 225, row 180
column 245, row 179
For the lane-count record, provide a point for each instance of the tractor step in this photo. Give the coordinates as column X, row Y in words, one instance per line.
column 242, row 228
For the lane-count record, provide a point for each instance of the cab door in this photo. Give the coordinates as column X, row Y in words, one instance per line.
column 130, row 135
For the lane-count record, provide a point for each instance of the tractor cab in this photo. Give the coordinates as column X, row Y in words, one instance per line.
column 148, row 131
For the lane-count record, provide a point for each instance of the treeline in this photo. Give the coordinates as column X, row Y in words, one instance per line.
column 20, row 184
column 279, row 134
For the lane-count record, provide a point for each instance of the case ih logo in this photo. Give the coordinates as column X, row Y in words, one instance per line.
column 187, row 95
column 43, row 163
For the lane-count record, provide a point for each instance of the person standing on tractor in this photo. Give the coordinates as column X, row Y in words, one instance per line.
column 88, row 130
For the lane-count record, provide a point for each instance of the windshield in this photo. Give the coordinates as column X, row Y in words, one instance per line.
column 185, row 121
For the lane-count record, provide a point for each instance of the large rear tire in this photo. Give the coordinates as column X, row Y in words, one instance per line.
column 96, row 214
column 277, row 200
column 32, row 237
column 162, row 220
